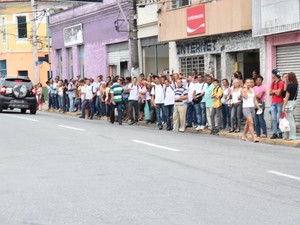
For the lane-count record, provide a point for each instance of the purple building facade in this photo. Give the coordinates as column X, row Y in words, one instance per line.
column 85, row 41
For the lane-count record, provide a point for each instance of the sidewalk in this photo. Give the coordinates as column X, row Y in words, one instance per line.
column 192, row 130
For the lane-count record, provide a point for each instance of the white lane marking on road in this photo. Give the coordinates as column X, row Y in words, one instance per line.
column 72, row 128
column 156, row 146
column 284, row 175
column 21, row 117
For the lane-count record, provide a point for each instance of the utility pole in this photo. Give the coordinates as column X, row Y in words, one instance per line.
column 34, row 42
column 48, row 42
column 133, row 37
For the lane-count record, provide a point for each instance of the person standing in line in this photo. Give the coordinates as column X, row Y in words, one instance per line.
column 133, row 103
column 290, row 103
column 116, row 91
column 169, row 104
column 53, row 94
column 60, row 92
column 259, row 121
column 66, row 102
column 209, row 101
column 216, row 112
column 226, row 108
column 102, row 98
column 125, row 98
column 157, row 98
column 201, row 90
column 236, row 107
column 180, row 107
column 50, row 105
column 98, row 100
column 89, row 95
column 249, row 103
column 142, row 98
column 72, row 94
column 190, row 106
column 276, row 90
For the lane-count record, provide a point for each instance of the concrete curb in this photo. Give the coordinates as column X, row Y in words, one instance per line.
column 282, row 142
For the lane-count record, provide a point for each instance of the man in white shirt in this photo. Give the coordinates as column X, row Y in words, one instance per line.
column 157, row 98
column 199, row 105
column 133, row 102
column 190, row 107
column 89, row 95
column 169, row 104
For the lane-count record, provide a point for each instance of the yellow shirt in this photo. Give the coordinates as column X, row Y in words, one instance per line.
column 217, row 99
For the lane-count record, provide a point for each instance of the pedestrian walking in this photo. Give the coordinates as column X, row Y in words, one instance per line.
column 249, row 103
column 259, row 120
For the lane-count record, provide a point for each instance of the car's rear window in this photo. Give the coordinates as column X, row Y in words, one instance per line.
column 14, row 82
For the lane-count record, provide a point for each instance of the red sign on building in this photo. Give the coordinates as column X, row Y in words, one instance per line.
column 195, row 20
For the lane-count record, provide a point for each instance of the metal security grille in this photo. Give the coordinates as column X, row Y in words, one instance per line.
column 288, row 60
column 187, row 64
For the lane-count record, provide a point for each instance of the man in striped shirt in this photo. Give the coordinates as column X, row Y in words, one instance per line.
column 179, row 117
column 116, row 91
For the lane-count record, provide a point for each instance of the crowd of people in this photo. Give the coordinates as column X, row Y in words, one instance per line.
column 177, row 102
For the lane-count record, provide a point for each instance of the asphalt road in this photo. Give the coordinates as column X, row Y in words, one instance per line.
column 60, row 170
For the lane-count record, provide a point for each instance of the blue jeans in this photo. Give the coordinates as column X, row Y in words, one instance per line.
column 84, row 104
column 190, row 114
column 120, row 112
column 276, row 111
column 98, row 105
column 160, row 114
column 260, row 123
column 61, row 101
column 169, row 109
column 103, row 109
column 54, row 101
column 226, row 112
column 66, row 103
column 72, row 102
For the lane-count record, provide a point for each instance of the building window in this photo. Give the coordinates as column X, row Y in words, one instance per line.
column 187, row 64
column 81, row 58
column 3, row 29
column 70, row 62
column 3, row 70
column 23, row 73
column 179, row 3
column 22, row 27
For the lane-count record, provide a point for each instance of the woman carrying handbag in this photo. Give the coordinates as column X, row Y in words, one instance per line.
column 289, row 104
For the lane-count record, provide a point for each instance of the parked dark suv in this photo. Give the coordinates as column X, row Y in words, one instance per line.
column 17, row 93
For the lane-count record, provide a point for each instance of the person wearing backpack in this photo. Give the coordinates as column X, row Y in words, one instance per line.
column 276, row 91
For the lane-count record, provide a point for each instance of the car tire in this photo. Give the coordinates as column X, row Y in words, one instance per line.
column 23, row 111
column 1, row 109
column 33, row 111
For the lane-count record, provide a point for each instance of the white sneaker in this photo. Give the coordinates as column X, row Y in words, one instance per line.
column 202, row 127
column 198, row 128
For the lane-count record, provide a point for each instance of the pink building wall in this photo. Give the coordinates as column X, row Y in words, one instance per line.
column 272, row 42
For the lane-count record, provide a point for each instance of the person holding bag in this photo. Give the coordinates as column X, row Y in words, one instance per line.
column 289, row 105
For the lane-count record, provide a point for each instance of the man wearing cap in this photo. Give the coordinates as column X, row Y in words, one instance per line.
column 276, row 91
